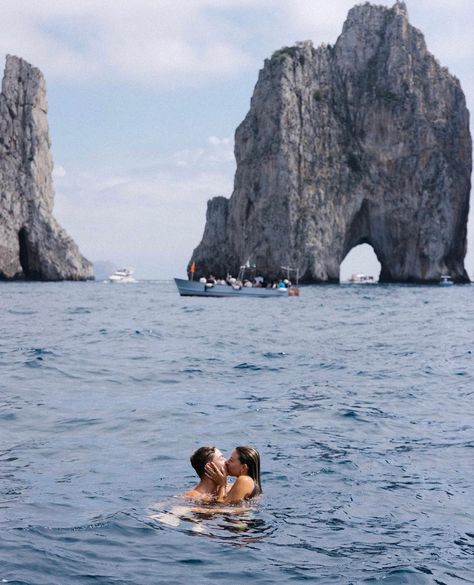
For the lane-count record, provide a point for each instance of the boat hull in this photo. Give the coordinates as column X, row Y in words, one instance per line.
column 125, row 276
column 122, row 280
column 192, row 288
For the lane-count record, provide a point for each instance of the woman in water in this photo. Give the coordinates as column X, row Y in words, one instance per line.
column 244, row 464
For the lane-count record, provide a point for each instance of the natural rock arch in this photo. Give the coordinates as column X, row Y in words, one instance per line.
column 358, row 231
column 360, row 259
column 366, row 141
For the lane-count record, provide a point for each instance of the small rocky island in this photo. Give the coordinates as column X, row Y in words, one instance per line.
column 366, row 141
column 32, row 244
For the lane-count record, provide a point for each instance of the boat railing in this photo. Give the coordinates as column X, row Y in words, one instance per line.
column 289, row 270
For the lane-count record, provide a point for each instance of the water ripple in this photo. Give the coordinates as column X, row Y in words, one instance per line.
column 359, row 401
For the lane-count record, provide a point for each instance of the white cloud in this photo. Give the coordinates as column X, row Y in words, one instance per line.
column 155, row 43
column 59, row 171
column 216, row 141
column 185, row 42
column 217, row 151
column 149, row 216
column 315, row 19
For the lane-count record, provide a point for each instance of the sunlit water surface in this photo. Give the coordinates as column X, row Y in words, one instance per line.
column 360, row 400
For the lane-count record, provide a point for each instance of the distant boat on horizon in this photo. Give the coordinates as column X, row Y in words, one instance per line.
column 360, row 278
column 445, row 280
column 124, row 275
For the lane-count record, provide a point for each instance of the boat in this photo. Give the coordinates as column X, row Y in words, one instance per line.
column 195, row 288
column 445, row 280
column 362, row 279
column 238, row 287
column 124, row 275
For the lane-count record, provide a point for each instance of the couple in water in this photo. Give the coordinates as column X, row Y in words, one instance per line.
column 213, row 470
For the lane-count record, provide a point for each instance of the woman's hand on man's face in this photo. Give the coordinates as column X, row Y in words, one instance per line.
column 217, row 473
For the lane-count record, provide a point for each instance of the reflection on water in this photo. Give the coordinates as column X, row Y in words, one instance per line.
column 239, row 525
column 360, row 405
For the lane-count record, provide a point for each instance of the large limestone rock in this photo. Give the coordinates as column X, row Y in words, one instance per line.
column 364, row 142
column 32, row 244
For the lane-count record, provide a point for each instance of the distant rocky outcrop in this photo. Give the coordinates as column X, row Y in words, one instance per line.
column 364, row 142
column 32, row 244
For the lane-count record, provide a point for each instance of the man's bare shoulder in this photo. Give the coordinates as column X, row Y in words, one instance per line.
column 195, row 495
column 192, row 494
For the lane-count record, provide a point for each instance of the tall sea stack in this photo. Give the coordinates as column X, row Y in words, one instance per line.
column 32, row 244
column 364, row 142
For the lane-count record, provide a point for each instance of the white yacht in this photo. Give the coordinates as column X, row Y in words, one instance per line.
column 445, row 280
column 124, row 275
column 362, row 279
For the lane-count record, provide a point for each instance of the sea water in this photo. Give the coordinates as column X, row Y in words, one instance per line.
column 359, row 399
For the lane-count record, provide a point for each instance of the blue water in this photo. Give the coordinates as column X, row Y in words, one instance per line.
column 360, row 400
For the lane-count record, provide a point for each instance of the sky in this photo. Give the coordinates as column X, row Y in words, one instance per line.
column 145, row 96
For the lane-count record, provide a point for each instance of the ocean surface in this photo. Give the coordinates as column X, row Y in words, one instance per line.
column 360, row 400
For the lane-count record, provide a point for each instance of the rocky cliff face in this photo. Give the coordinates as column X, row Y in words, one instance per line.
column 32, row 244
column 364, row 142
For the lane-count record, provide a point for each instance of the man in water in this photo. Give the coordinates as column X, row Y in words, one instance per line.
column 206, row 489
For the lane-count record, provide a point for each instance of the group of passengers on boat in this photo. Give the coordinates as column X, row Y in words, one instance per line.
column 236, row 283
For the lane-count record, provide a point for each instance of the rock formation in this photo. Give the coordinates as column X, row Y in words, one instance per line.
column 32, row 244
column 364, row 142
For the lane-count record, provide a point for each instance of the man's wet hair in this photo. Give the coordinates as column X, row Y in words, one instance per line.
column 200, row 458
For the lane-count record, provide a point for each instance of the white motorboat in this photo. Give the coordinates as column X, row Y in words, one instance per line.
column 124, row 275
column 445, row 280
column 362, row 279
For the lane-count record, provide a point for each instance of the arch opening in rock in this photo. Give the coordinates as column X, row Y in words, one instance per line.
column 27, row 256
column 361, row 260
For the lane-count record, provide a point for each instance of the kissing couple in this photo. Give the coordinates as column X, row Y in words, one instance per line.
column 213, row 470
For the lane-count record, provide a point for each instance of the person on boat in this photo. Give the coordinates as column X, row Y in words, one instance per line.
column 244, row 464
column 206, row 489
column 281, row 284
